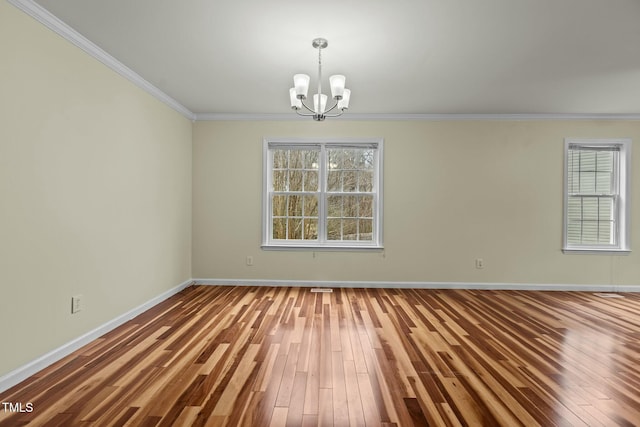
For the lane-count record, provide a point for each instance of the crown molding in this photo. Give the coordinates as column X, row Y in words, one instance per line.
column 501, row 117
column 56, row 25
column 416, row 117
column 248, row 117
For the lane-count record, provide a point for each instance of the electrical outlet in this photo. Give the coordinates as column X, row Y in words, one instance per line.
column 479, row 263
column 249, row 260
column 76, row 304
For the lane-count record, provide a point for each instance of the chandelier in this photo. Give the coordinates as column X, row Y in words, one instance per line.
column 319, row 112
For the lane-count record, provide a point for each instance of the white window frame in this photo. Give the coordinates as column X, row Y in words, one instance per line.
column 322, row 243
column 622, row 211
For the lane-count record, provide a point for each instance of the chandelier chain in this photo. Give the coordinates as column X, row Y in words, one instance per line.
column 319, row 72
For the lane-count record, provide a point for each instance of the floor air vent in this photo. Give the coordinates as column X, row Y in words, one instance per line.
column 327, row 290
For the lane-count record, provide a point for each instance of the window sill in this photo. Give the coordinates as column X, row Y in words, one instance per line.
column 316, row 248
column 595, row 251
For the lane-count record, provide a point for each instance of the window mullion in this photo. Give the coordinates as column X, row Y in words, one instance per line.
column 615, row 176
column 616, row 217
column 322, row 190
column 273, row 192
column 376, row 194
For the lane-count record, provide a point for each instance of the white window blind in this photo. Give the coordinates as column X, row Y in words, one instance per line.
column 596, row 196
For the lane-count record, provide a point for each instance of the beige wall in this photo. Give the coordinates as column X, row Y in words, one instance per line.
column 454, row 191
column 96, row 182
column 95, row 192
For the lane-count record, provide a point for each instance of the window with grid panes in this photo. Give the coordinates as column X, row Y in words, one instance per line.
column 596, row 195
column 322, row 194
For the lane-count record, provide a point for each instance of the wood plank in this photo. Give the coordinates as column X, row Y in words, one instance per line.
column 259, row 356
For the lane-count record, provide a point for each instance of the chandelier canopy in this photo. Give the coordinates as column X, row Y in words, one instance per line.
column 340, row 95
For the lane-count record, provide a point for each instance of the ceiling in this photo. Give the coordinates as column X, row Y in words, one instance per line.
column 400, row 57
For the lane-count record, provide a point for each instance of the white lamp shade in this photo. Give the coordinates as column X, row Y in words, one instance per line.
column 295, row 102
column 301, row 84
column 343, row 104
column 337, row 85
column 323, row 103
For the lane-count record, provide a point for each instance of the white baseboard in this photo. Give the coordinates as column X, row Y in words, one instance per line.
column 14, row 377
column 422, row 285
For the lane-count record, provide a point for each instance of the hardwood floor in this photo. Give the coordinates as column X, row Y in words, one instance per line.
column 262, row 356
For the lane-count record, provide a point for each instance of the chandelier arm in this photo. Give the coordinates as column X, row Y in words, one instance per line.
column 332, row 108
column 335, row 114
column 303, row 114
column 307, row 107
